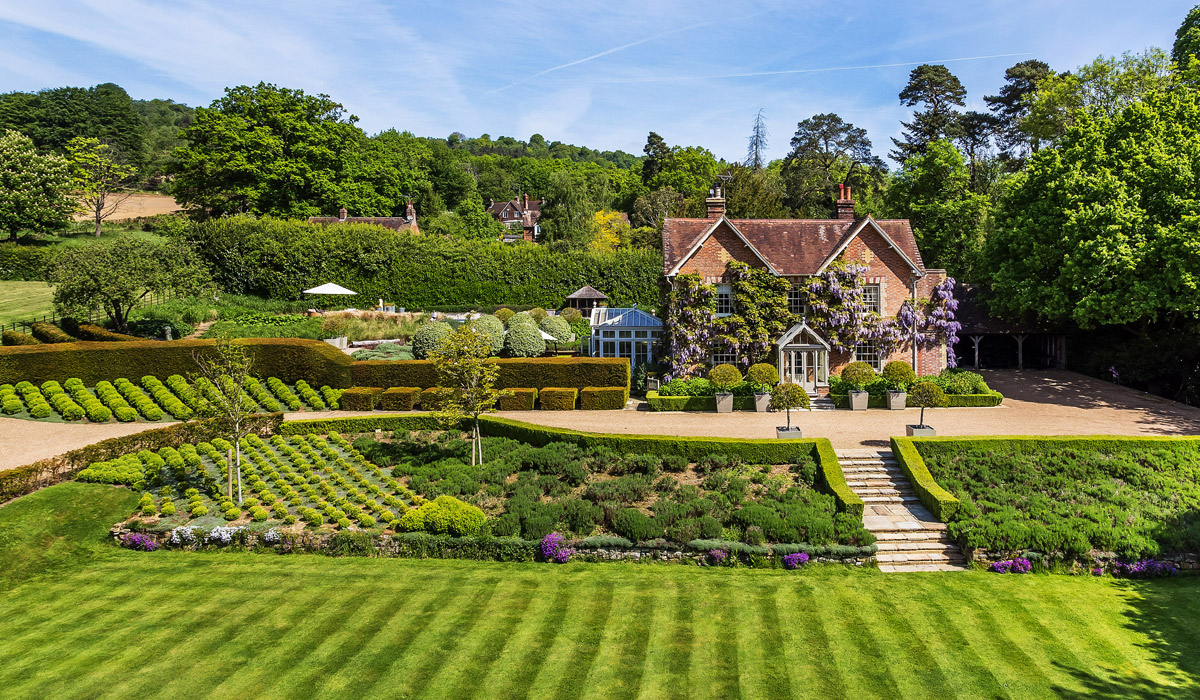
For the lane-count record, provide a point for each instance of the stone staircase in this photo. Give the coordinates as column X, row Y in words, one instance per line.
column 908, row 536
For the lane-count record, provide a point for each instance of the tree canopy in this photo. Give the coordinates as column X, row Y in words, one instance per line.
column 34, row 188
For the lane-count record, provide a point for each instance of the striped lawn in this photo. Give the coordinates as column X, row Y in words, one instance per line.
column 132, row 625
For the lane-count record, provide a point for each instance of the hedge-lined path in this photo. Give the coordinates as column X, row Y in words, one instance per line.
column 908, row 536
column 27, row 441
column 1051, row 402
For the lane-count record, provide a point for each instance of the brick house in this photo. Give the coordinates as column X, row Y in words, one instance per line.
column 797, row 249
column 408, row 222
column 520, row 216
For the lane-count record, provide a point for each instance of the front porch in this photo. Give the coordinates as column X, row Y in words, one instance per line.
column 802, row 357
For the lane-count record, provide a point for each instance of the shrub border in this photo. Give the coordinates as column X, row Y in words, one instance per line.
column 940, row 502
column 696, row 403
column 994, row 398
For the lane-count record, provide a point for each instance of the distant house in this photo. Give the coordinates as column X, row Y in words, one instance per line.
column 585, row 299
column 407, row 223
column 520, row 216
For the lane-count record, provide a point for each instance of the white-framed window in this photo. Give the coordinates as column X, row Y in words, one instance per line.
column 796, row 303
column 724, row 300
column 872, row 298
column 868, row 351
column 722, row 357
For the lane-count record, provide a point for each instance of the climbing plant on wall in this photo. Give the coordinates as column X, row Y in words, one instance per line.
column 691, row 307
column 928, row 323
column 760, row 313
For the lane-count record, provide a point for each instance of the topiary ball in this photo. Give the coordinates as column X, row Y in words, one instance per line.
column 763, row 376
column 858, row 375
column 899, row 375
column 538, row 314
column 428, row 338
column 725, row 377
column 927, row 395
column 492, row 329
column 558, row 327
column 523, row 340
column 504, row 313
column 788, row 396
column 521, row 317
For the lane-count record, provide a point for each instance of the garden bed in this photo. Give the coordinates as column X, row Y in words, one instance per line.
column 1082, row 499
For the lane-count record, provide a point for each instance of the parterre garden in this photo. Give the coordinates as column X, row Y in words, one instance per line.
column 152, row 399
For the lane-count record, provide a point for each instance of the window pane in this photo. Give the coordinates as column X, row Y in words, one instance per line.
column 871, row 297
column 625, row 334
column 639, row 334
column 868, row 352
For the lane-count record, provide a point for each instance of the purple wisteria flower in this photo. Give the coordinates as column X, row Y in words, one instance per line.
column 554, row 548
column 1020, row 565
column 795, row 561
column 1145, row 568
column 139, row 542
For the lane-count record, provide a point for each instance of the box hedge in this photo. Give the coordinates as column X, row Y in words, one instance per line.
column 558, row 398
column 90, row 331
column 524, row 373
column 360, row 398
column 49, row 333
column 938, row 500
column 695, row 403
column 289, row 359
column 18, row 338
column 399, row 398
column 993, row 398
column 519, row 400
column 597, row 398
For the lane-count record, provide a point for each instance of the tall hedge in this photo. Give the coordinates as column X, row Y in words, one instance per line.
column 23, row 262
column 529, row 373
column 278, row 259
column 289, row 359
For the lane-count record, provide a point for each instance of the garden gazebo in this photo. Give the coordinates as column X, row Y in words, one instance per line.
column 585, row 299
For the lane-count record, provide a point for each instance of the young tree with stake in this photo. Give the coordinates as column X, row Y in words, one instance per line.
column 227, row 365
column 468, row 377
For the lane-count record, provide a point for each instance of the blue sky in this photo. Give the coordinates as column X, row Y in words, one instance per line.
column 599, row 74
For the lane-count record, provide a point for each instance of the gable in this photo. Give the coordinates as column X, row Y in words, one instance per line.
column 715, row 248
column 871, row 247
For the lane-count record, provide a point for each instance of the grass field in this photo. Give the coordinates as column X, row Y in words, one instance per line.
column 22, row 301
column 102, row 622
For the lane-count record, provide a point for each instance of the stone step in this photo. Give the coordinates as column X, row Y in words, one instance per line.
column 943, row 546
column 890, row 499
column 882, row 491
column 890, row 468
column 868, row 463
column 900, row 568
column 876, row 483
column 919, row 558
column 909, row 536
column 925, row 527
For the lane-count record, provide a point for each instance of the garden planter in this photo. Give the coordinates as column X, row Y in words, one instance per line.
column 762, row 402
column 920, row 431
column 858, row 400
column 788, row 433
column 896, row 400
column 724, row 403
column 652, row 384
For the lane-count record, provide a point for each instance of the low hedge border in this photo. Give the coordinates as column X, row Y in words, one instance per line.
column 953, row 400
column 31, row 477
column 558, row 398
column 940, row 502
column 360, row 398
column 515, row 373
column 399, row 398
column 596, row 398
column 360, row 424
column 50, row 333
column 18, row 338
column 832, row 479
column 519, row 400
column 695, row 403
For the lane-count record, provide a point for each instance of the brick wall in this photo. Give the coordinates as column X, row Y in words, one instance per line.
column 709, row 262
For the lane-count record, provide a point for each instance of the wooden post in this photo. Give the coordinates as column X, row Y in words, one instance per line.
column 1020, row 350
column 976, row 339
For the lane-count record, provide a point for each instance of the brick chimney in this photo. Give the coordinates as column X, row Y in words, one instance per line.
column 715, row 204
column 342, row 214
column 409, row 212
column 845, row 205
column 526, row 201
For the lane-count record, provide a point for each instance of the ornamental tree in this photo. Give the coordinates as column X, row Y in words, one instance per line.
column 34, row 188
column 228, row 366
column 468, row 378
column 927, row 395
column 787, row 396
column 114, row 277
column 690, row 309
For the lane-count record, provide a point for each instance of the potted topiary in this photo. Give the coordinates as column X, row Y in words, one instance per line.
column 925, row 395
column 762, row 378
column 724, row 378
column 785, row 397
column 857, row 376
column 898, row 376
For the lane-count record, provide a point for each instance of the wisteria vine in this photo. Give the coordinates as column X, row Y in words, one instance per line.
column 690, row 311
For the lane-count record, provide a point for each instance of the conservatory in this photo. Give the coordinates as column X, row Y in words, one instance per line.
column 630, row 333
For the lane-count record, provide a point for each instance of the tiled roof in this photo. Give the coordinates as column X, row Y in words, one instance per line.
column 586, row 292
column 791, row 246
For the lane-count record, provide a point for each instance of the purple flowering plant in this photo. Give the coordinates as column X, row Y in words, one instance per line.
column 1145, row 568
column 1020, row 565
column 795, row 561
column 139, row 542
column 717, row 556
column 554, row 548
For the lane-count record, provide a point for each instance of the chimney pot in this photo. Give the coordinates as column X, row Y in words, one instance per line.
column 342, row 214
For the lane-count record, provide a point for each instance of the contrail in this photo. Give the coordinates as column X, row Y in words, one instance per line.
column 806, row 70
column 613, row 50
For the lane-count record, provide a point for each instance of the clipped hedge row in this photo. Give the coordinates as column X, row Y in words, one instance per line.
column 558, row 399
column 994, row 398
column 515, row 372
column 49, row 333
column 400, row 398
column 594, row 398
column 18, row 338
column 90, row 331
column 360, row 398
column 519, row 400
column 289, row 359
column 938, row 500
column 695, row 403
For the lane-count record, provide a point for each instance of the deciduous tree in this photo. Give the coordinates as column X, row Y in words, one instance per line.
column 227, row 366
column 1187, row 38
column 100, row 176
column 34, row 188
column 468, row 376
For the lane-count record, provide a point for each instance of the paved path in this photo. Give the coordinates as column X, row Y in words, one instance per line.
column 26, row 441
column 908, row 536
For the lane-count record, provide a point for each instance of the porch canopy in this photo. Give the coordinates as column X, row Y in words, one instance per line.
column 803, row 358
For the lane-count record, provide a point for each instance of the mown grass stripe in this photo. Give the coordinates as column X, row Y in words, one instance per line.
column 922, row 673
column 568, row 660
column 409, row 674
column 669, row 657
column 715, row 663
column 505, row 611
column 763, row 641
column 521, row 661
column 854, row 639
column 806, row 645
column 95, row 596
column 618, row 666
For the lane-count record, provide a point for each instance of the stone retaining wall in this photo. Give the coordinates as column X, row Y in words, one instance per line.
column 1186, row 561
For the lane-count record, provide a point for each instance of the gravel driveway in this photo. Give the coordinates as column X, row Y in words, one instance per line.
column 26, row 441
